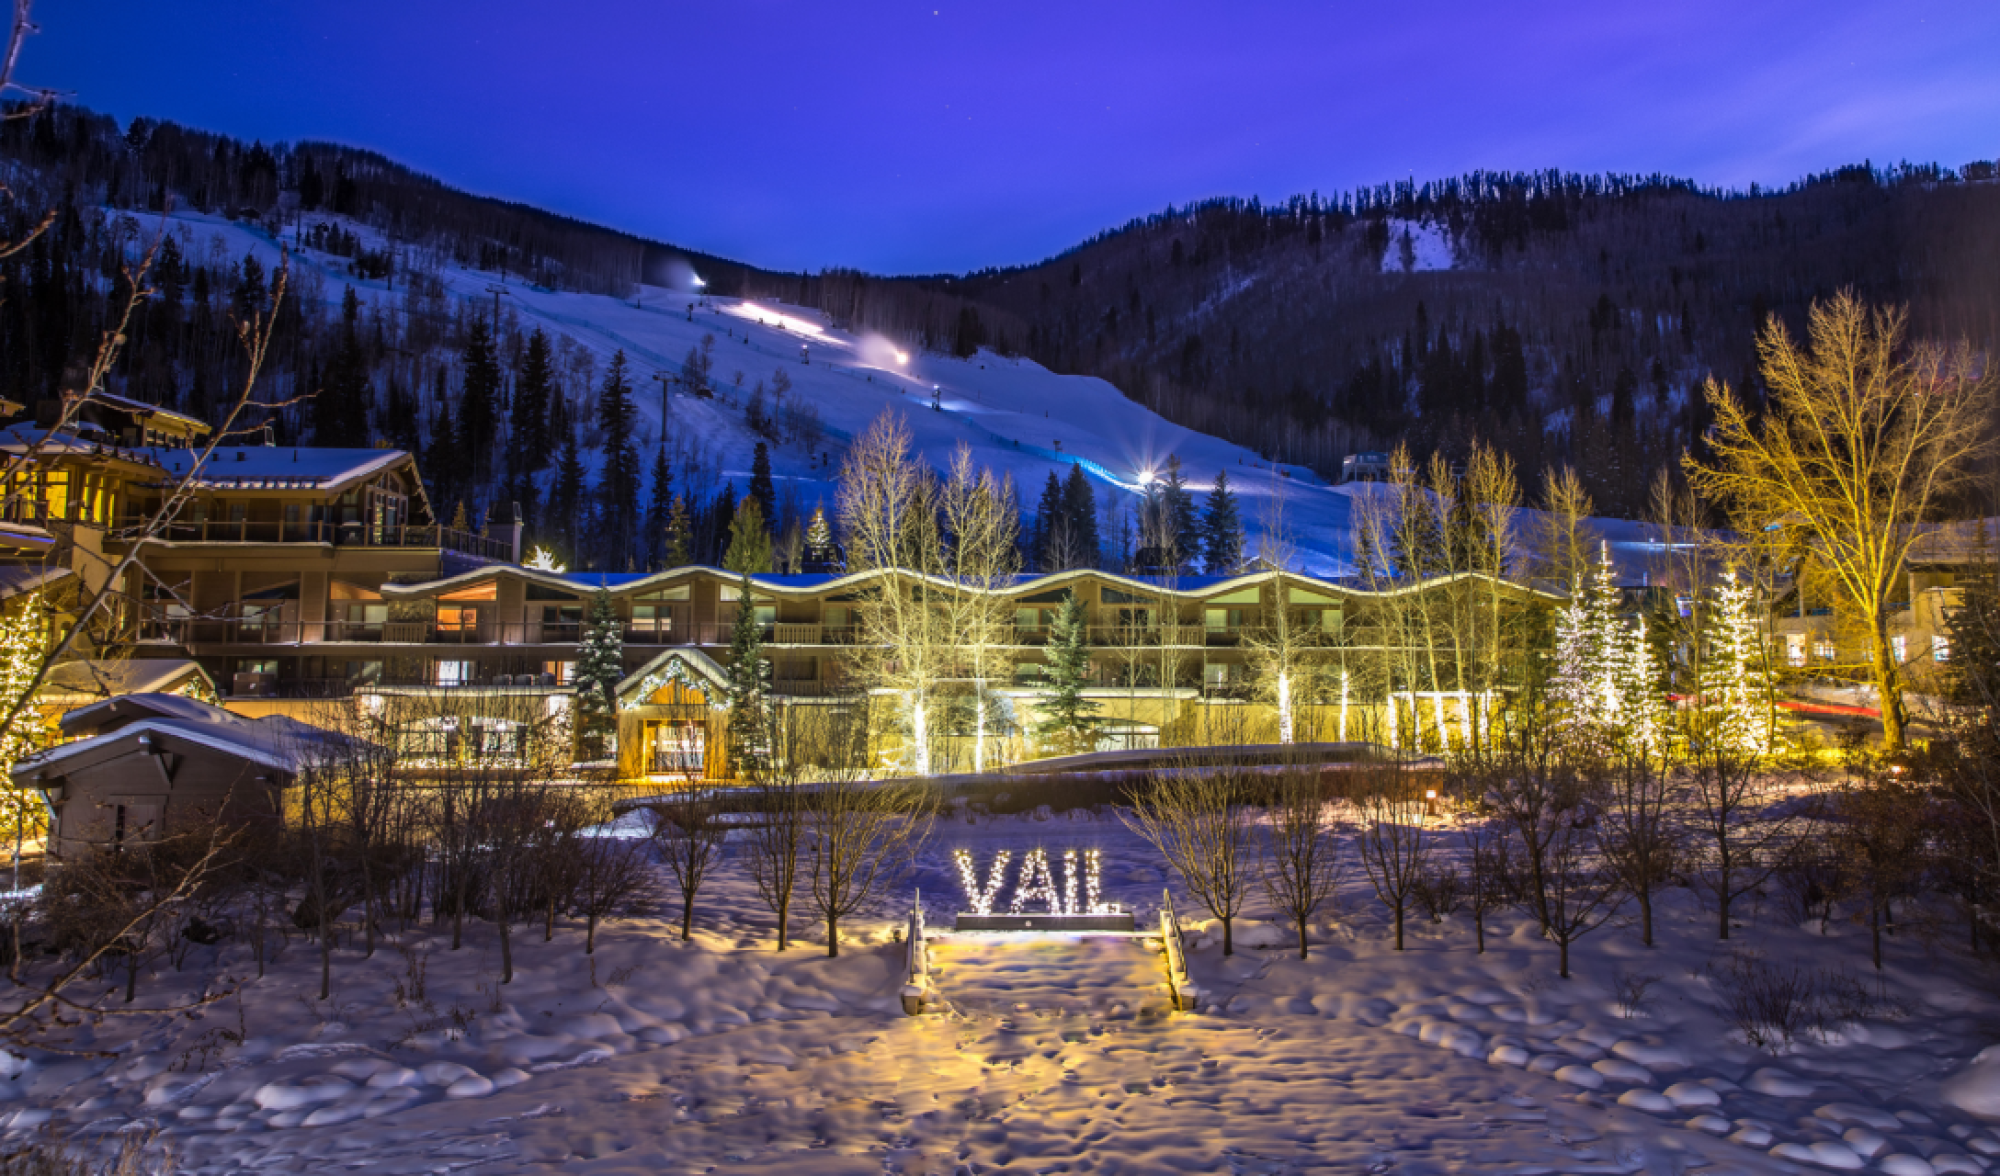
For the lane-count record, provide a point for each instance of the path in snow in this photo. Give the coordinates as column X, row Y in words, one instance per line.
column 1049, row 975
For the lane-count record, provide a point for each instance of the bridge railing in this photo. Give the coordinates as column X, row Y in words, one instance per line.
column 1186, row 992
column 916, row 960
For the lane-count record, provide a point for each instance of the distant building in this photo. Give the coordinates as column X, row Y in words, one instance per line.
column 1364, row 467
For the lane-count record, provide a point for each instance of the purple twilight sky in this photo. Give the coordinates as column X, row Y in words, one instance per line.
column 946, row 135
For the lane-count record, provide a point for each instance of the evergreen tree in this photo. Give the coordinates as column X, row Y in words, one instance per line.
column 479, row 399
column 444, row 460
column 600, row 665
column 1077, row 544
column 659, row 508
column 1069, row 720
column 820, row 553
column 532, row 393
column 1604, row 682
column 340, row 409
column 619, row 486
column 1735, row 683
column 749, row 686
column 680, row 538
column 1048, row 522
column 1181, row 522
column 749, row 540
column 1222, row 529
column 762, row 488
column 566, row 500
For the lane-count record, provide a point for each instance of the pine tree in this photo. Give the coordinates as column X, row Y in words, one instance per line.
column 619, row 486
column 1048, row 523
column 566, row 500
column 444, row 462
column 1605, row 677
column 1182, row 523
column 1222, row 529
column 1069, row 720
column 680, row 538
column 749, row 540
column 1077, row 544
column 479, row 398
column 820, row 553
column 23, row 644
column 749, row 686
column 1735, row 683
column 659, row 508
column 531, row 405
column 340, row 407
column 599, row 667
column 762, row 488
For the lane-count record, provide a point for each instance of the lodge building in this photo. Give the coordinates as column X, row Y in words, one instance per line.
column 298, row 579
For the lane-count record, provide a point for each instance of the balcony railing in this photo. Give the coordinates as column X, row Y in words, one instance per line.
column 354, row 534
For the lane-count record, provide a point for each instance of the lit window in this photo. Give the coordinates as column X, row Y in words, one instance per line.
column 1940, row 649
column 1795, row 650
column 454, row 673
column 1899, row 648
column 1823, row 650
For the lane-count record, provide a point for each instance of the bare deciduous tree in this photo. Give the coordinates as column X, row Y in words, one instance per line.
column 861, row 836
column 1395, row 847
column 1859, row 441
column 1197, row 817
column 1637, row 830
column 1741, row 835
column 688, row 832
column 1298, row 855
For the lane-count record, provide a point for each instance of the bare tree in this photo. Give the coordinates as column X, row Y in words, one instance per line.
column 861, row 836
column 1580, row 888
column 804, row 743
column 1299, row 857
column 1859, row 441
column 1881, row 834
column 613, row 874
column 1489, row 873
column 1395, row 849
column 1197, row 817
column 982, row 521
column 688, row 832
column 1742, row 836
column 1637, row 830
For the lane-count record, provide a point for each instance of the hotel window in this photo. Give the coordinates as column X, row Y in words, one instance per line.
column 456, row 673
column 564, row 672
column 1222, row 619
column 457, row 618
column 1899, row 648
column 1795, row 650
column 1940, row 649
column 1823, row 650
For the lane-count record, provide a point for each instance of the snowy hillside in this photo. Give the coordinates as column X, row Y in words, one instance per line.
column 1016, row 415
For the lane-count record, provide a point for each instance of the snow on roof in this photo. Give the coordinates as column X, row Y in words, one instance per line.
column 16, row 579
column 703, row 665
column 127, row 404
column 265, row 467
column 275, row 741
column 136, row 676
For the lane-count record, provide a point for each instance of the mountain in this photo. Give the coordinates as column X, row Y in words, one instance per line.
column 1561, row 317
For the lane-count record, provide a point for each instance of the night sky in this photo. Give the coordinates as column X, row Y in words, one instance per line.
column 952, row 136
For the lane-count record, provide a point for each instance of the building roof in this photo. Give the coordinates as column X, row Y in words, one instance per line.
column 667, row 666
column 813, row 583
column 275, row 741
column 107, row 679
column 265, row 467
column 19, row 579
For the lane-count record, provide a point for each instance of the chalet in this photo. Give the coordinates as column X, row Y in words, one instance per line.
column 142, row 766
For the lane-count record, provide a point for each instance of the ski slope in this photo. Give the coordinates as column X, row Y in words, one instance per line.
column 1017, row 416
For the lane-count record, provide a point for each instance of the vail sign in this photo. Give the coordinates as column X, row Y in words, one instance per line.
column 1043, row 896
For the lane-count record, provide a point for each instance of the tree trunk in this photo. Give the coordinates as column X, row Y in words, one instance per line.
column 1722, row 902
column 1645, row 895
column 590, row 933
column 131, row 975
column 832, row 935
column 506, row 941
column 1888, row 684
column 784, row 920
column 1479, row 930
column 325, row 951
column 549, row 928
column 1302, row 939
column 1875, row 932
column 1562, row 953
column 687, row 916
column 1399, row 928
column 1228, row 936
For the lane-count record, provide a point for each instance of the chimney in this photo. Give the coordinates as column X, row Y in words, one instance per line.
column 517, row 533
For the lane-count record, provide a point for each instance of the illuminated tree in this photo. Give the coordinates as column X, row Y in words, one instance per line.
column 1069, row 721
column 599, row 666
column 1735, row 680
column 1859, row 441
column 23, row 646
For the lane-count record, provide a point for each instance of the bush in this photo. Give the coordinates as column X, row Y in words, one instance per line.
column 1774, row 1006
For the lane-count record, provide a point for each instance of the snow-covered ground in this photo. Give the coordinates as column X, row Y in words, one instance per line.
column 1045, row 1054
column 1017, row 416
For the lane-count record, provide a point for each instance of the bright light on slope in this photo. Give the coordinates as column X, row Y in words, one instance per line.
column 772, row 318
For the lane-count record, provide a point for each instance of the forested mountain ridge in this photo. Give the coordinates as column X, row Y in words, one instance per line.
column 1562, row 317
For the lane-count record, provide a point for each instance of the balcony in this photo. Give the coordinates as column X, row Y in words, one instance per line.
column 1147, row 636
column 355, row 534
